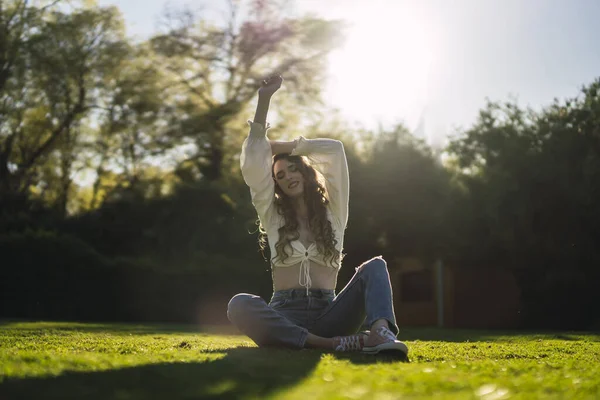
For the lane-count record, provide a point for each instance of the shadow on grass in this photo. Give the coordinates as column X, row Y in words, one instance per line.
column 362, row 359
column 116, row 328
column 242, row 372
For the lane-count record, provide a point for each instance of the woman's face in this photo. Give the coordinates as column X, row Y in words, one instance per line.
column 289, row 178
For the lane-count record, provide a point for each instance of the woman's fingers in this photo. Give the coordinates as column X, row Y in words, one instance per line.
column 271, row 84
column 273, row 79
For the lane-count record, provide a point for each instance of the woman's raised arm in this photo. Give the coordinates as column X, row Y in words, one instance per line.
column 256, row 156
column 266, row 91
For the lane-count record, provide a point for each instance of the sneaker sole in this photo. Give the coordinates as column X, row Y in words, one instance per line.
column 396, row 349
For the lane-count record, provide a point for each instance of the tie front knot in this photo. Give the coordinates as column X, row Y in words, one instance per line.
column 304, row 279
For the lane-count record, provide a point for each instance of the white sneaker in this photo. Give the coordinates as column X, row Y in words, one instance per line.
column 384, row 341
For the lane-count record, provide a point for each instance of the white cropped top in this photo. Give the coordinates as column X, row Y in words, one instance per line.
column 328, row 158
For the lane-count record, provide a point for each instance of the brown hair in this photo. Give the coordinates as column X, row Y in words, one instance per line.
column 316, row 202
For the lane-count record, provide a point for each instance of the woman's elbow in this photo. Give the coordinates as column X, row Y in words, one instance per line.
column 338, row 145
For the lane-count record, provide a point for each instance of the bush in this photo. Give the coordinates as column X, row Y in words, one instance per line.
column 560, row 299
column 46, row 275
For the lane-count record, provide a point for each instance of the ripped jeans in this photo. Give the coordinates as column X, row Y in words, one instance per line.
column 292, row 314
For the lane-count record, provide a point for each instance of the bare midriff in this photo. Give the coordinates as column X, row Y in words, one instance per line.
column 288, row 277
column 322, row 277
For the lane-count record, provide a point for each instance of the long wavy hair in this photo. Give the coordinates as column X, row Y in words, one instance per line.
column 316, row 200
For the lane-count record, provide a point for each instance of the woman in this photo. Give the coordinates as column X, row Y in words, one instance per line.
column 304, row 221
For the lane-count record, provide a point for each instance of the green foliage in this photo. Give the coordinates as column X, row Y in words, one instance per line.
column 180, row 232
column 73, row 360
column 219, row 65
column 54, row 63
column 533, row 188
column 45, row 273
column 157, row 127
column 50, row 275
column 410, row 189
column 76, row 95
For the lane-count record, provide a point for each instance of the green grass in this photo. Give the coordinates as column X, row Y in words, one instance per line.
column 98, row 361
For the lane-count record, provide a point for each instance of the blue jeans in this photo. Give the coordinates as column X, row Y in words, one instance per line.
column 292, row 314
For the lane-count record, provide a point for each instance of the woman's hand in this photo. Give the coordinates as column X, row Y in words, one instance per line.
column 270, row 86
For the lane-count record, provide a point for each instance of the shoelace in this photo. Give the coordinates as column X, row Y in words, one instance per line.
column 386, row 333
column 349, row 343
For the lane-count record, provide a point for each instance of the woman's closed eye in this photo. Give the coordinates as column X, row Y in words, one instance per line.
column 281, row 174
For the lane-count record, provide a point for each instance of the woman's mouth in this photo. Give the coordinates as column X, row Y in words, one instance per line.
column 293, row 185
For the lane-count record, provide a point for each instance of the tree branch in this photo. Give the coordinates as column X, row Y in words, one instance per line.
column 66, row 122
column 193, row 89
column 55, row 2
column 231, row 36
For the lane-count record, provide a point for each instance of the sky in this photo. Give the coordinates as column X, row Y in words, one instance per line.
column 431, row 64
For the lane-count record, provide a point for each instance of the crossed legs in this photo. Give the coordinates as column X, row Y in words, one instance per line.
column 367, row 298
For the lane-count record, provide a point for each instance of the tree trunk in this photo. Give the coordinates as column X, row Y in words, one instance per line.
column 213, row 161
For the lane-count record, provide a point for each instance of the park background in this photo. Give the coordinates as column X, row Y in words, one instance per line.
column 121, row 197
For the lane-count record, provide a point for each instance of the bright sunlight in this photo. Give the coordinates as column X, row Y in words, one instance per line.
column 382, row 71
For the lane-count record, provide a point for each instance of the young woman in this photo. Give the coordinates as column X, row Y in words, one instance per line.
column 300, row 192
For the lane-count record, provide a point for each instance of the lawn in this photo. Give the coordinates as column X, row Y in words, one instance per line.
column 117, row 361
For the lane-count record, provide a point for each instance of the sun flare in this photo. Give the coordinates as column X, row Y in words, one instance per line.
column 382, row 70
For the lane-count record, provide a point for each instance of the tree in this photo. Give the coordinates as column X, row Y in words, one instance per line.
column 533, row 189
column 410, row 190
column 134, row 111
column 61, row 58
column 17, row 21
column 221, row 67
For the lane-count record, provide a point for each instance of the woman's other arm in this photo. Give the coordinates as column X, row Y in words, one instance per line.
column 278, row 146
column 329, row 158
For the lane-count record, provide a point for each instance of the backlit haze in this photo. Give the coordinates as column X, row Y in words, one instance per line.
column 432, row 63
